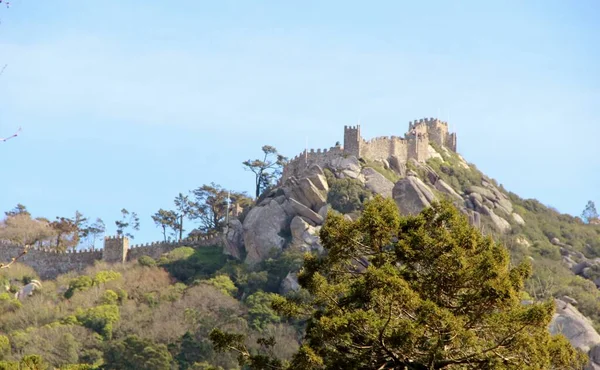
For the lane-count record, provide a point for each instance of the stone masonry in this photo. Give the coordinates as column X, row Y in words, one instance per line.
column 49, row 264
column 414, row 145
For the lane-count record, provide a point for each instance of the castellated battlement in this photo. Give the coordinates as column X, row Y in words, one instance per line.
column 49, row 263
column 413, row 145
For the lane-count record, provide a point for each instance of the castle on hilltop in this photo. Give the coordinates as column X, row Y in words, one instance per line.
column 414, row 145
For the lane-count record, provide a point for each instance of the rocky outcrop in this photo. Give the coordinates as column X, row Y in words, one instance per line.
column 306, row 212
column 398, row 166
column 412, row 195
column 501, row 224
column 518, row 219
column 305, row 237
column 490, row 201
column 377, row 183
column 234, row 239
column 262, row 230
column 266, row 225
column 443, row 187
column 305, row 192
column 346, row 167
column 578, row 329
column 290, row 283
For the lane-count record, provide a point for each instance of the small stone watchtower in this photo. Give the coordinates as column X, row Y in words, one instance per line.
column 115, row 249
column 352, row 140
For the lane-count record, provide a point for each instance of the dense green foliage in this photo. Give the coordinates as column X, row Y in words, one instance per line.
column 144, row 315
column 346, row 195
column 418, row 292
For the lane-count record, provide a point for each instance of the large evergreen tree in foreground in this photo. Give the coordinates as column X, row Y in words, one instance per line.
column 417, row 292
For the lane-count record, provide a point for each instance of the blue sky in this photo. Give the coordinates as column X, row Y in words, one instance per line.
column 128, row 103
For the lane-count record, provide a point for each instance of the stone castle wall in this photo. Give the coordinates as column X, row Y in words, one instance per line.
column 414, row 145
column 49, row 264
column 382, row 148
column 305, row 160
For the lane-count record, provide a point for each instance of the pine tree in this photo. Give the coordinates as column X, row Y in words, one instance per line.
column 418, row 292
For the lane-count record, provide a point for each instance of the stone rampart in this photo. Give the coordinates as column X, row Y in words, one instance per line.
column 157, row 249
column 382, row 148
column 414, row 145
column 49, row 264
column 306, row 159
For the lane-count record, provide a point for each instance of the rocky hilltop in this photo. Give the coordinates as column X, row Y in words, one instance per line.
column 565, row 252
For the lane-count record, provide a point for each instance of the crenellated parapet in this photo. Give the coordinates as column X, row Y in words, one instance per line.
column 413, row 145
column 49, row 263
column 308, row 158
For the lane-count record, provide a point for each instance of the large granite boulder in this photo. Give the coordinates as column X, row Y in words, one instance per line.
column 518, row 219
column 501, row 224
column 398, row 165
column 234, row 239
column 442, row 186
column 346, row 167
column 305, row 237
column 578, row 329
column 289, row 283
column 262, row 230
column 412, row 195
column 377, row 183
column 306, row 212
column 306, row 193
column 484, row 192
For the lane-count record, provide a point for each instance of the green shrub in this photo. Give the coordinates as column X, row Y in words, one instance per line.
column 80, row 283
column 346, row 195
column 188, row 264
column 136, row 353
column 106, row 276
column 100, row 319
column 109, row 297
column 4, row 347
column 33, row 362
column 146, row 261
column 223, row 283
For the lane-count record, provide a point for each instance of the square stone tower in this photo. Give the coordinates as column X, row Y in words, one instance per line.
column 352, row 140
column 115, row 249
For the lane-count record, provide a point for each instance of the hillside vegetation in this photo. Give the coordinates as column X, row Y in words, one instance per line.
column 202, row 308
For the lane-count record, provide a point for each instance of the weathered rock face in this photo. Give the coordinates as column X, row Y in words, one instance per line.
column 305, row 192
column 578, row 329
column 412, row 195
column 234, row 239
column 346, row 167
column 305, row 237
column 490, row 201
column 572, row 324
column 306, row 212
column 518, row 219
column 397, row 165
column 290, row 283
column 501, row 224
column 262, row 229
column 377, row 183
column 442, row 186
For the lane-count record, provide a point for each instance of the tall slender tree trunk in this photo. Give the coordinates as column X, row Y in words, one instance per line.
column 181, row 227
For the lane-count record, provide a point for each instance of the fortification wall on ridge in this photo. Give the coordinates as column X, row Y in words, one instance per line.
column 49, row 264
column 303, row 161
column 382, row 148
column 157, row 249
column 414, row 145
